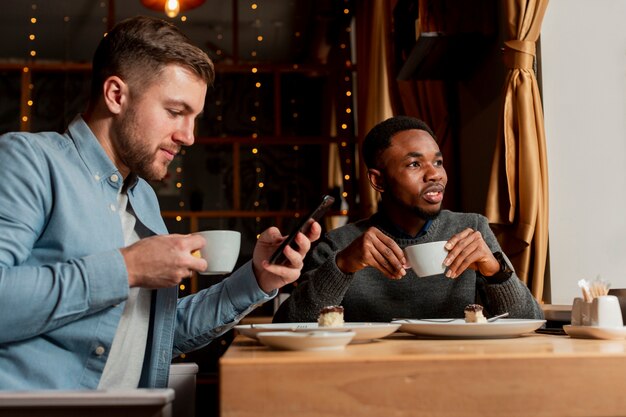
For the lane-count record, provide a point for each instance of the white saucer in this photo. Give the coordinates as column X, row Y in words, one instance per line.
column 316, row 340
column 593, row 332
column 458, row 328
column 365, row 331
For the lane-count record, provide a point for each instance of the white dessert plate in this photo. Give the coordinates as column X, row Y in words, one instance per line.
column 364, row 331
column 593, row 332
column 458, row 328
column 316, row 340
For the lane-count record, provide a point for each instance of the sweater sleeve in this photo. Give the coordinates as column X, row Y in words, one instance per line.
column 511, row 295
column 323, row 284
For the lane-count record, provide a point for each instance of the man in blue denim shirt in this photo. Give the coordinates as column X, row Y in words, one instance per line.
column 88, row 273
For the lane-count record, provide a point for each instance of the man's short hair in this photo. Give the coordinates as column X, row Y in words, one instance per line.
column 379, row 138
column 137, row 49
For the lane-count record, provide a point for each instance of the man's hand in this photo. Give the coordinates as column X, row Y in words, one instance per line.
column 162, row 261
column 468, row 249
column 271, row 277
column 373, row 248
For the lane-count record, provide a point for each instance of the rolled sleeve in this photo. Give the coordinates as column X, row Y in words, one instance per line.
column 203, row 316
column 244, row 291
column 107, row 279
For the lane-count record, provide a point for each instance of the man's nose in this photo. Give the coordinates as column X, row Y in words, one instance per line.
column 185, row 132
column 433, row 173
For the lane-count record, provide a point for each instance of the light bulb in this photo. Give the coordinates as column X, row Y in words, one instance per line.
column 172, row 7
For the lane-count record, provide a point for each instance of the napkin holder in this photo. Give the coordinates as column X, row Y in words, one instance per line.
column 602, row 311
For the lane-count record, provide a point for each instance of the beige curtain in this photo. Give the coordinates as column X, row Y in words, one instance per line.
column 373, row 102
column 435, row 101
column 517, row 203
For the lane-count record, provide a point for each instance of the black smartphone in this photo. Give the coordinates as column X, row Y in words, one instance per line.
column 278, row 257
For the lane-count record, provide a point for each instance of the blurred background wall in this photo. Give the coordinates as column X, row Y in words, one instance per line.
column 583, row 46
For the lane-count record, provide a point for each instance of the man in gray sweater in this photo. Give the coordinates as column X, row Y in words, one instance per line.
column 362, row 267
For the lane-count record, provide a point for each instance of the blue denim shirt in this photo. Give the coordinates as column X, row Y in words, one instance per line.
column 63, row 281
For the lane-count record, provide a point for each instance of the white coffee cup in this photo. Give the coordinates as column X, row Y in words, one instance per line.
column 221, row 251
column 426, row 259
column 606, row 312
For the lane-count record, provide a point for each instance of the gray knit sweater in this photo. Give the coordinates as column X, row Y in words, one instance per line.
column 369, row 296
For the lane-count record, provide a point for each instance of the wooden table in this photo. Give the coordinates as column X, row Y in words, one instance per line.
column 403, row 375
column 87, row 403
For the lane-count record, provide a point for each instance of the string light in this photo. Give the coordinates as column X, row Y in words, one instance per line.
column 256, row 151
column 103, row 6
column 32, row 36
column 179, row 182
column 26, row 106
column 344, row 120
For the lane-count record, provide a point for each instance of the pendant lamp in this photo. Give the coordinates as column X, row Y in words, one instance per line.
column 171, row 7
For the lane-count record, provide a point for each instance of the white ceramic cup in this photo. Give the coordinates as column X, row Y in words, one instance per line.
column 221, row 251
column 606, row 312
column 426, row 259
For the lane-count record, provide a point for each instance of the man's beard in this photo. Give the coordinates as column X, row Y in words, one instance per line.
column 133, row 152
column 424, row 214
column 416, row 210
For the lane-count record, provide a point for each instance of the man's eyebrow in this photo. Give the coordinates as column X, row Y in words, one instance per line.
column 420, row 155
column 181, row 103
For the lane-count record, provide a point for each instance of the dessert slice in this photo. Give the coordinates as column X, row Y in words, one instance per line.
column 331, row 316
column 474, row 314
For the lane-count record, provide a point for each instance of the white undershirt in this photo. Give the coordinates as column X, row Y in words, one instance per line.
column 125, row 361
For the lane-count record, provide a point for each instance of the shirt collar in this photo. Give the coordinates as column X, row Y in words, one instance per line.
column 396, row 231
column 93, row 154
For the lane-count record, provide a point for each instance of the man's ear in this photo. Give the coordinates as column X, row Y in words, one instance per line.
column 376, row 180
column 115, row 94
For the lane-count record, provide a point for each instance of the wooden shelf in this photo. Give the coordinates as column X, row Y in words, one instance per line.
column 272, row 140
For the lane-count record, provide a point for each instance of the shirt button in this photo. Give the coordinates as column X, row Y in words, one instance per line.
column 112, row 207
column 99, row 351
column 114, row 177
column 97, row 177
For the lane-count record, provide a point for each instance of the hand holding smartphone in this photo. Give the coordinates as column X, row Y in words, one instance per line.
column 278, row 257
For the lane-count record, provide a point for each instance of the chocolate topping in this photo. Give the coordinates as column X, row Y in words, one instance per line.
column 332, row 309
column 474, row 307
